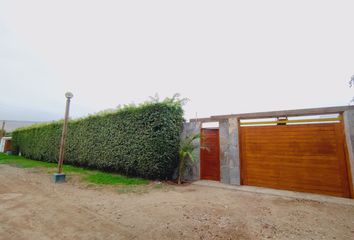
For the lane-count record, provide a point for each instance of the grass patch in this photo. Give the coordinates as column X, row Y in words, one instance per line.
column 23, row 162
column 28, row 163
column 92, row 176
column 113, row 179
column 72, row 169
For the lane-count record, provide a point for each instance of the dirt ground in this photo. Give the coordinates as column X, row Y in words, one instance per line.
column 31, row 207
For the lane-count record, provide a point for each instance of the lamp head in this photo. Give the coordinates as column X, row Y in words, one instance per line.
column 69, row 95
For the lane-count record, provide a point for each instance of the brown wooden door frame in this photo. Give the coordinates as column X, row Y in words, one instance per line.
column 240, row 150
column 203, row 154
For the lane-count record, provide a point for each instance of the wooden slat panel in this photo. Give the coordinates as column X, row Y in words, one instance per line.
column 307, row 158
column 209, row 156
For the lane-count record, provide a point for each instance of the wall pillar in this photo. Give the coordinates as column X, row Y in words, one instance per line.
column 224, row 147
column 229, row 152
column 192, row 173
column 348, row 120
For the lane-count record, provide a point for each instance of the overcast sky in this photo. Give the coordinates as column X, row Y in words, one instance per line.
column 225, row 56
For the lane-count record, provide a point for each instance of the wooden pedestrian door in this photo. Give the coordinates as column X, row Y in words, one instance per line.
column 209, row 154
column 304, row 157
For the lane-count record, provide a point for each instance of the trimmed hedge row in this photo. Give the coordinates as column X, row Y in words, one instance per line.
column 137, row 141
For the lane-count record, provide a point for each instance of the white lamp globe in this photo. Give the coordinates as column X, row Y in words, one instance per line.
column 69, row 95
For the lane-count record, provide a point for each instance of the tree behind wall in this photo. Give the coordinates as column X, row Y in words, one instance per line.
column 351, row 84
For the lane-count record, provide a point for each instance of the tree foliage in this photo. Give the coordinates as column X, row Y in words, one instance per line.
column 186, row 151
column 133, row 140
column 351, row 84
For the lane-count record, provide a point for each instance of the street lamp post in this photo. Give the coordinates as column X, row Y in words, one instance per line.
column 60, row 177
column 2, row 133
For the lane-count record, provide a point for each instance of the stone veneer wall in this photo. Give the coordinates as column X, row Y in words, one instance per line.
column 229, row 152
column 349, row 135
column 192, row 173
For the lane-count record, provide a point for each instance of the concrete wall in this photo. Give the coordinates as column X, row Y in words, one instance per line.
column 229, row 152
column 192, row 172
column 349, row 135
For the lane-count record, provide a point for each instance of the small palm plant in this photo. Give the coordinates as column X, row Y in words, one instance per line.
column 186, row 151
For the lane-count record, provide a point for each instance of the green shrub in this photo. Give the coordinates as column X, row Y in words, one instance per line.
column 134, row 140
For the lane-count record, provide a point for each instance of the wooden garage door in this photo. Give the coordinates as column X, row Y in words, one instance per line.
column 209, row 154
column 306, row 158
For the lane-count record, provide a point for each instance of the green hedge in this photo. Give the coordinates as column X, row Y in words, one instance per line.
column 135, row 140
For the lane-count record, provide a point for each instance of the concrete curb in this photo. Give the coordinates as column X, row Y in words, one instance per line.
column 280, row 193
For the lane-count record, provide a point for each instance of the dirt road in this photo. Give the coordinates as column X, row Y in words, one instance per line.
column 31, row 207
